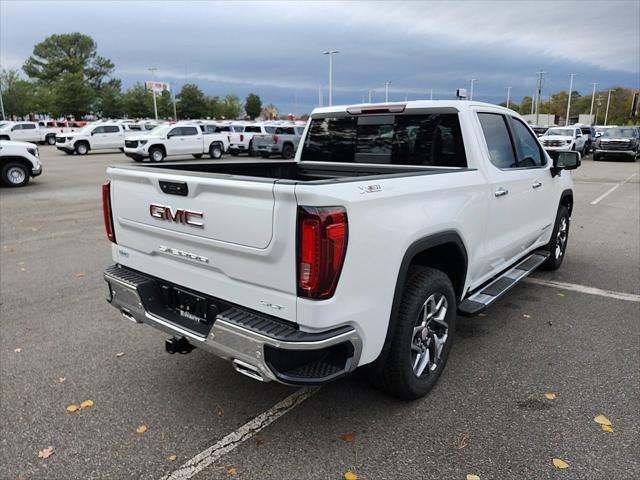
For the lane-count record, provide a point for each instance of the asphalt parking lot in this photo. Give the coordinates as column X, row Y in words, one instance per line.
column 574, row 333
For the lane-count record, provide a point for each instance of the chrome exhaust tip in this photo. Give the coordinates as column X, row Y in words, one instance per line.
column 247, row 369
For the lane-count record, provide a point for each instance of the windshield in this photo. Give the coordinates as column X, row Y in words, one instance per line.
column 87, row 130
column 426, row 139
column 618, row 133
column 559, row 132
column 160, row 131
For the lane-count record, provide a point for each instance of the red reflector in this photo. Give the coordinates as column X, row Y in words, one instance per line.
column 322, row 245
column 241, row 137
column 275, row 139
column 106, row 211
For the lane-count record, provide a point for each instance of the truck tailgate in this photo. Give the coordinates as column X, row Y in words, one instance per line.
column 236, row 254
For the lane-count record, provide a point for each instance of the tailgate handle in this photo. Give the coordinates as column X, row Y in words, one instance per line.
column 174, row 188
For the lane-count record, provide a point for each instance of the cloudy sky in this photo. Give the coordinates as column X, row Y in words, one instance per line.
column 274, row 48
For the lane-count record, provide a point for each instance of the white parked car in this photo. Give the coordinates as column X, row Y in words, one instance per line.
column 391, row 220
column 243, row 142
column 97, row 136
column 27, row 132
column 19, row 161
column 564, row 139
column 179, row 139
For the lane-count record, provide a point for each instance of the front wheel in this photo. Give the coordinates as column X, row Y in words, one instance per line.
column 287, row 152
column 421, row 342
column 51, row 140
column 14, row 174
column 156, row 155
column 557, row 246
column 82, row 148
column 215, row 151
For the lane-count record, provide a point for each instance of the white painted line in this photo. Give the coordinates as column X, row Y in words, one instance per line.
column 245, row 432
column 612, row 189
column 630, row 297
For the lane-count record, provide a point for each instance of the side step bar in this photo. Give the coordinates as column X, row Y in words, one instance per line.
column 479, row 301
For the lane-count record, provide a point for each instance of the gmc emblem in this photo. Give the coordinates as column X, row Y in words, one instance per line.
column 186, row 217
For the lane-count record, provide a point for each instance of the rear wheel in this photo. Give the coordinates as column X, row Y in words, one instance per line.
column 14, row 174
column 252, row 152
column 264, row 154
column 82, row 148
column 215, row 151
column 156, row 154
column 51, row 140
column 234, row 152
column 287, row 151
column 423, row 336
column 559, row 238
column 197, row 155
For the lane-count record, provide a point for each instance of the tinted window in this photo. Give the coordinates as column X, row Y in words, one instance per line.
column 238, row 128
column 176, row 132
column 428, row 139
column 270, row 129
column 97, row 130
column 299, row 130
column 496, row 134
column 285, row 131
column 28, row 126
column 189, row 131
column 16, row 127
column 529, row 152
column 251, row 129
column 111, row 129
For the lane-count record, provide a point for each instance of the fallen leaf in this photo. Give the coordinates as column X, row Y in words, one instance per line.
column 350, row 476
column 173, row 458
column 471, row 476
column 120, row 354
column 602, row 420
column 86, row 404
column 607, row 428
column 17, row 350
column 80, row 274
column 46, row 453
column 73, row 408
column 141, row 429
column 259, row 441
column 560, row 294
column 526, row 316
column 561, row 464
column 219, row 411
column 482, row 314
column 232, row 471
column 461, row 441
column 62, row 379
column 347, row 437
column 550, row 396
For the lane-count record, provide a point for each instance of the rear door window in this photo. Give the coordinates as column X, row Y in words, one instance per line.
column 28, row 126
column 188, row 131
column 111, row 129
column 496, row 134
column 433, row 139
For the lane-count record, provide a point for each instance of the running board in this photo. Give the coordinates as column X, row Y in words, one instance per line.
column 479, row 301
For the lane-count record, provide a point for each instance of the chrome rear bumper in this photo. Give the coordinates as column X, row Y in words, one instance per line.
column 258, row 346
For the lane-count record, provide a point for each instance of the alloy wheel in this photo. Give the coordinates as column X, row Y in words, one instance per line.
column 430, row 334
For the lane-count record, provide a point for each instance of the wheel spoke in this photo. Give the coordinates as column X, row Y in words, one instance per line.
column 424, row 361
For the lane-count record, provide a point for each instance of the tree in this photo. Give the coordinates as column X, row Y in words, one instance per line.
column 213, row 107
column 109, row 102
column 231, row 107
column 525, row 105
column 138, row 102
column 164, row 101
column 17, row 94
column 72, row 95
column 192, row 102
column 253, row 105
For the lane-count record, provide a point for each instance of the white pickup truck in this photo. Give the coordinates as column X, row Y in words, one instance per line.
column 19, row 162
column 565, row 139
column 391, row 219
column 27, row 132
column 97, row 136
column 174, row 140
column 243, row 142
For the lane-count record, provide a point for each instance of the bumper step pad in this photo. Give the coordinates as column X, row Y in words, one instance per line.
column 486, row 295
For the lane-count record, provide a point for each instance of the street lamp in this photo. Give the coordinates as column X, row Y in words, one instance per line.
column 330, row 53
column 566, row 121
column 386, row 91
column 593, row 97
column 153, row 90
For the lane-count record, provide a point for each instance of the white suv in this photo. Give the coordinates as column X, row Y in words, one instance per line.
column 101, row 136
column 564, row 139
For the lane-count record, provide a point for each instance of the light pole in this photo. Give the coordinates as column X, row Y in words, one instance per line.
column 386, row 91
column 593, row 97
column 566, row 121
column 538, row 94
column 330, row 53
column 606, row 114
column 473, row 81
column 319, row 95
column 431, row 94
column 508, row 96
column 153, row 90
column 369, row 95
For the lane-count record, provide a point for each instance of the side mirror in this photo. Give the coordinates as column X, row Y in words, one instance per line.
column 598, row 134
column 564, row 161
column 93, row 132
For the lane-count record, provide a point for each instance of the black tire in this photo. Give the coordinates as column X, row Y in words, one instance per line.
column 287, row 151
column 156, row 154
column 234, row 152
column 197, row 155
column 121, row 149
column 596, row 158
column 557, row 246
column 82, row 148
column 251, row 151
column 14, row 174
column 138, row 159
column 69, row 152
column 398, row 375
column 264, row 154
column 4, row 137
column 215, row 151
column 50, row 140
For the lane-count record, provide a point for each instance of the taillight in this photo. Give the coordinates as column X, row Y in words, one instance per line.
column 322, row 244
column 106, row 211
column 241, row 138
column 275, row 139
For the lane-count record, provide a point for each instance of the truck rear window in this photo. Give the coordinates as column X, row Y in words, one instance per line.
column 425, row 139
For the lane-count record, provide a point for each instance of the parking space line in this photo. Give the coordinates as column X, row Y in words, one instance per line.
column 613, row 189
column 630, row 297
column 236, row 438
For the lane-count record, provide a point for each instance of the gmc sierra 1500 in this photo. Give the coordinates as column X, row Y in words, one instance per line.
column 391, row 219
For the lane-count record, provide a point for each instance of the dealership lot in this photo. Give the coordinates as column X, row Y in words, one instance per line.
column 61, row 344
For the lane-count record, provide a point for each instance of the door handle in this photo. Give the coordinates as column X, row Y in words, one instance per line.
column 501, row 192
column 537, row 184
